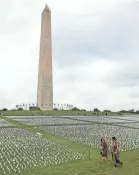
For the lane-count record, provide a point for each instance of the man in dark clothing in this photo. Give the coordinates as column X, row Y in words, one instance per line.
column 115, row 152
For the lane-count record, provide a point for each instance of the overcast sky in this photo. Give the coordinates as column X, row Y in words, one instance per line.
column 95, row 52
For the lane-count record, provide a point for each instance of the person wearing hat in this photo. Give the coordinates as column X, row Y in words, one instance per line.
column 115, row 152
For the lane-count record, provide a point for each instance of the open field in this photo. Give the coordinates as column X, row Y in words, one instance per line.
column 43, row 145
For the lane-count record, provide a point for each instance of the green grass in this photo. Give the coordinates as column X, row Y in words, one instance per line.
column 54, row 113
column 91, row 165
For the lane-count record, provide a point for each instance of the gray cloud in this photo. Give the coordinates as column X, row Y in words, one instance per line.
column 126, row 74
column 115, row 37
column 134, row 95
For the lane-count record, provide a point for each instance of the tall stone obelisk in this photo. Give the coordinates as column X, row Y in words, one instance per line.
column 45, row 76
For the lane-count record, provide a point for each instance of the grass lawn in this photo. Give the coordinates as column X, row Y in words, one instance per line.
column 91, row 165
column 54, row 113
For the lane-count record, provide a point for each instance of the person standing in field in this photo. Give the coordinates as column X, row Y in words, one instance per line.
column 115, row 152
column 103, row 149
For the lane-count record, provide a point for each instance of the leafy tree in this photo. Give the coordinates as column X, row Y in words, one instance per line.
column 106, row 110
column 75, row 109
column 96, row 110
column 4, row 109
column 20, row 109
column 131, row 111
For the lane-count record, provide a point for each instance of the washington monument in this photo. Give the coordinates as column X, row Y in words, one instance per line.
column 45, row 76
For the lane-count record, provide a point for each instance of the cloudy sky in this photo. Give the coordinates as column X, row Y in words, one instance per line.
column 95, row 52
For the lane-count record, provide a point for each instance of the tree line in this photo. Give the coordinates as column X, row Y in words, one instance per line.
column 132, row 111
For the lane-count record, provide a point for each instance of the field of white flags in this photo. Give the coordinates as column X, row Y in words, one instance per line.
column 130, row 125
column 73, row 119
column 4, row 123
column 22, row 150
column 91, row 134
column 102, row 119
column 48, row 121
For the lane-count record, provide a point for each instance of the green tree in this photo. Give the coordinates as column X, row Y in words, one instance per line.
column 75, row 109
column 4, row 109
column 96, row 110
column 106, row 110
column 131, row 111
column 20, row 109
